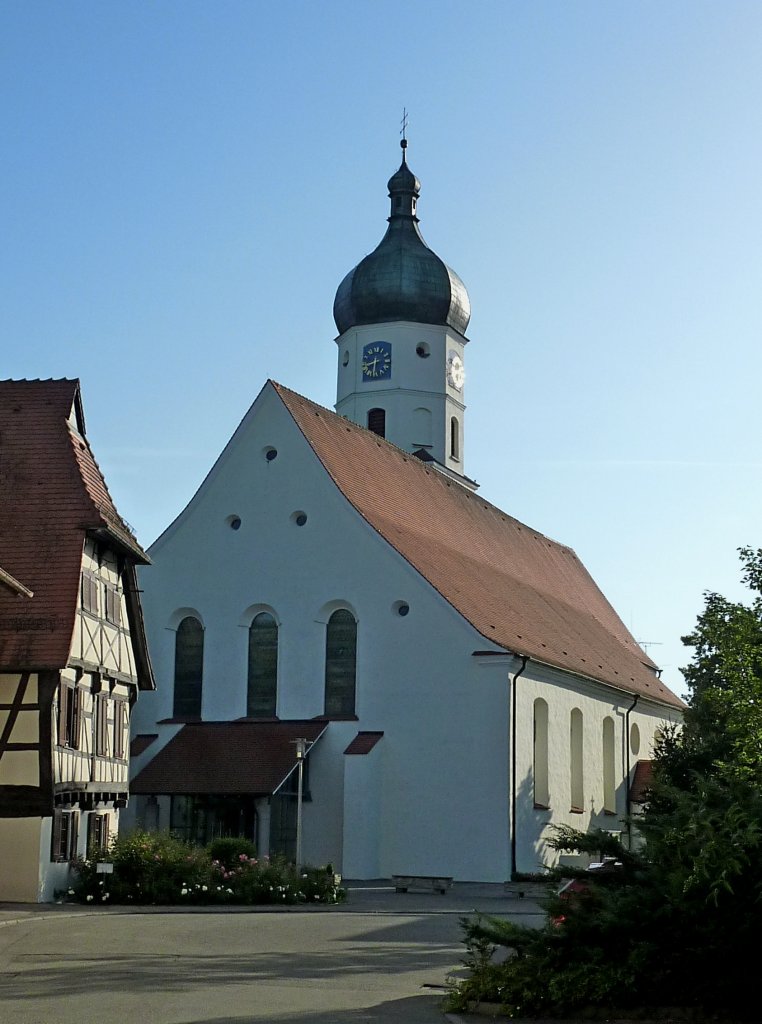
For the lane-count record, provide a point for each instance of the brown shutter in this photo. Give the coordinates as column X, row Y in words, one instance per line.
column 73, row 835
column 76, row 711
column 63, row 700
column 55, row 843
column 104, row 832
column 92, row 835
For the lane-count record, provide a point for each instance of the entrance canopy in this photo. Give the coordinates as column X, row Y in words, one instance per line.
column 227, row 757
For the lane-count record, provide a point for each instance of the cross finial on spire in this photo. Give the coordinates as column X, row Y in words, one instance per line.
column 403, row 133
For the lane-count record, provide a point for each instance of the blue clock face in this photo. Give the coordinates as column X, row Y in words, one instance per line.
column 377, row 361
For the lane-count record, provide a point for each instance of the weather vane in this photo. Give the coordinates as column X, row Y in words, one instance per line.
column 403, row 131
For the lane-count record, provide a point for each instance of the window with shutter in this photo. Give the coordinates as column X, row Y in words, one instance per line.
column 112, row 604
column 377, row 421
column 73, row 718
column 63, row 713
column 101, row 725
column 120, row 724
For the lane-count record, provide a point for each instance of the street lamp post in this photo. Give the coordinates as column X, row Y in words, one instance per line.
column 301, row 749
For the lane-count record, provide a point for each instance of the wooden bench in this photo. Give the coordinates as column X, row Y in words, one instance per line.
column 437, row 883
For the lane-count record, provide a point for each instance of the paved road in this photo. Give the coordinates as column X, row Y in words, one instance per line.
column 384, row 958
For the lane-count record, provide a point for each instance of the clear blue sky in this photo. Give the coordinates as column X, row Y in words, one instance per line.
column 184, row 185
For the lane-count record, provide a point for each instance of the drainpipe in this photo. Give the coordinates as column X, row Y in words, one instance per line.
column 627, row 762
column 524, row 661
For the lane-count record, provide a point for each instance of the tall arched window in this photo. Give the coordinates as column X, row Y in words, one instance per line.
column 454, row 438
column 262, row 689
column 340, row 663
column 377, row 421
column 576, row 772
column 189, row 668
column 609, row 772
column 540, row 754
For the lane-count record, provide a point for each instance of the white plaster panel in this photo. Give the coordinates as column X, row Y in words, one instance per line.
column 442, row 718
column 20, row 857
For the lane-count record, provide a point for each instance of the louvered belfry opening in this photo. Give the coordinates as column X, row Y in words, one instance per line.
column 377, row 421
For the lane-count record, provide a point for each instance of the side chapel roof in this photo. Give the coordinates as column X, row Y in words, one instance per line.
column 524, row 592
column 52, row 493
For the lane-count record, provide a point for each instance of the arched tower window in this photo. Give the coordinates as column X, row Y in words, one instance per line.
column 576, row 772
column 421, row 428
column 540, row 754
column 609, row 773
column 189, row 668
column 377, row 421
column 454, row 438
column 262, row 689
column 340, row 663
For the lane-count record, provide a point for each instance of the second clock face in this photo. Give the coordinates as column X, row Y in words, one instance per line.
column 377, row 361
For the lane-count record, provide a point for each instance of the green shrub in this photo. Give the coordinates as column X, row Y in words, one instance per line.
column 228, row 850
column 157, row 868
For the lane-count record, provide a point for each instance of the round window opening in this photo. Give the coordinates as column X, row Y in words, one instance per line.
column 300, row 518
column 401, row 608
column 271, row 453
column 234, row 522
column 422, row 350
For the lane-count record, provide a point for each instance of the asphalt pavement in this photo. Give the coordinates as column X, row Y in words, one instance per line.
column 382, row 957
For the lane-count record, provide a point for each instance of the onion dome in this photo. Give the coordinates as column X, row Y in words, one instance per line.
column 402, row 279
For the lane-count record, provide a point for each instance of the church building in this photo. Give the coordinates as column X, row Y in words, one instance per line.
column 337, row 588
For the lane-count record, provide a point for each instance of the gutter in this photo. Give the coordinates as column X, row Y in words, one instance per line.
column 627, row 764
column 524, row 662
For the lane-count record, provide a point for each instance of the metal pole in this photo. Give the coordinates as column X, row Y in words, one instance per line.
column 299, row 809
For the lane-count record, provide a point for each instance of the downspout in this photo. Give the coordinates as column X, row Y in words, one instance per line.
column 524, row 661
column 627, row 762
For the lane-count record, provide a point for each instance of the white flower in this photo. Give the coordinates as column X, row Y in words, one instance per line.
column 230, row 891
column 89, row 897
column 71, row 892
column 183, row 892
column 203, row 888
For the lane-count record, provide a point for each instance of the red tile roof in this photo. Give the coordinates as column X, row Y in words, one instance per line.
column 142, row 742
column 641, row 781
column 363, row 743
column 51, row 494
column 226, row 757
column 519, row 589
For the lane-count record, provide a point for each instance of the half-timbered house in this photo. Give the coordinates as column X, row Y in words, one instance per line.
column 73, row 654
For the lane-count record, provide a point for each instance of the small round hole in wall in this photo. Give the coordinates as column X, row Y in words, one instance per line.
column 299, row 518
column 401, row 608
column 234, row 522
column 422, row 349
column 271, row 453
column 345, row 358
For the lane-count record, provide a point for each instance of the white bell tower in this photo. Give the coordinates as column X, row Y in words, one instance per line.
column 402, row 314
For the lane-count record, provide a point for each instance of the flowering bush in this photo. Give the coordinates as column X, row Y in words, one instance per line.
column 155, row 867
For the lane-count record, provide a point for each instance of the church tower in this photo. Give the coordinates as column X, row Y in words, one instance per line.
column 402, row 315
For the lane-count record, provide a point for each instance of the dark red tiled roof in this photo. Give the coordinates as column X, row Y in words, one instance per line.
column 641, row 781
column 51, row 494
column 363, row 743
column 142, row 742
column 519, row 589
column 226, row 757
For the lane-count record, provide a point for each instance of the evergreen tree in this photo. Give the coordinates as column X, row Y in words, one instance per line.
column 677, row 923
